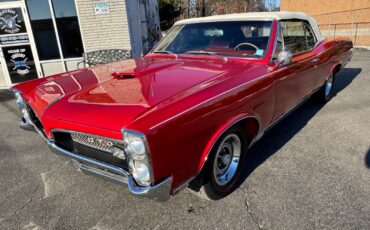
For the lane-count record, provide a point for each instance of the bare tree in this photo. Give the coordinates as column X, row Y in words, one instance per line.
column 202, row 8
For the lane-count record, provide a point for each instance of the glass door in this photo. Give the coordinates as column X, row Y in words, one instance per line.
column 18, row 53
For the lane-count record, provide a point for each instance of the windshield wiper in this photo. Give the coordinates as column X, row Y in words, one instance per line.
column 202, row 52
column 165, row 52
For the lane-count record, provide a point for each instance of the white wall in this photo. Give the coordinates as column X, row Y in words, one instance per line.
column 2, row 78
column 104, row 31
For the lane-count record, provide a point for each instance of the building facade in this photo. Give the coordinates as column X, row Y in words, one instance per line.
column 348, row 18
column 44, row 37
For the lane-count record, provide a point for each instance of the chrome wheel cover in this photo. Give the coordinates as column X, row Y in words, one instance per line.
column 227, row 159
column 328, row 85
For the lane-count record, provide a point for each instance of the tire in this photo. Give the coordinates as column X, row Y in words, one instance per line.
column 325, row 93
column 222, row 172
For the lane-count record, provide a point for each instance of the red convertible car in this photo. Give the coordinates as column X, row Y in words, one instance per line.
column 187, row 112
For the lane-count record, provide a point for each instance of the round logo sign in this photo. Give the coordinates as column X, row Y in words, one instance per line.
column 9, row 21
column 19, row 59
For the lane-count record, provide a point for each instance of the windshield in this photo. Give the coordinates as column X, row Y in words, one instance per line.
column 236, row 38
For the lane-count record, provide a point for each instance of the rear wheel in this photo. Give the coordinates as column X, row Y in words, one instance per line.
column 222, row 171
column 325, row 92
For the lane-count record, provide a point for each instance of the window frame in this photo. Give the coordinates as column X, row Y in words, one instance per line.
column 300, row 20
column 55, row 17
column 63, row 61
column 306, row 24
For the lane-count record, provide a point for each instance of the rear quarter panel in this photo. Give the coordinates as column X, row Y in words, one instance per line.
column 332, row 52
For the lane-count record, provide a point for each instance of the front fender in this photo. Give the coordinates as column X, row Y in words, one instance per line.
column 222, row 129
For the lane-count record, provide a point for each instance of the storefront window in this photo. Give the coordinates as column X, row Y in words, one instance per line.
column 44, row 32
column 43, row 29
column 68, row 28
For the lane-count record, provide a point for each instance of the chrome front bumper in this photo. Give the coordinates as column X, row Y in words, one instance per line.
column 159, row 192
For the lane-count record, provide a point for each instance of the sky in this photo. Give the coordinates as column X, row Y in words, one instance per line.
column 277, row 3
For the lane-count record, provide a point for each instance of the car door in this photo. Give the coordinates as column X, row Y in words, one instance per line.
column 320, row 60
column 294, row 81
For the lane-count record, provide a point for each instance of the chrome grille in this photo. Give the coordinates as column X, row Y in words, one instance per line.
column 95, row 142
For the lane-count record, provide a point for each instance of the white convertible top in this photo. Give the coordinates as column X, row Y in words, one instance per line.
column 279, row 15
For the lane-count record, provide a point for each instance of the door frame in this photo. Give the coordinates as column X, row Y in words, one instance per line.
column 31, row 41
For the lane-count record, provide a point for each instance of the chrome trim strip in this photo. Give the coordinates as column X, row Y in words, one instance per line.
column 276, row 41
column 163, row 37
column 42, row 135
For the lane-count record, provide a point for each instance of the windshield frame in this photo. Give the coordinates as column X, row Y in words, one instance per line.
column 267, row 49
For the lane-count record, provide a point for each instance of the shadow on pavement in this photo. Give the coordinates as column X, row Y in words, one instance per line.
column 6, row 95
column 279, row 135
column 367, row 158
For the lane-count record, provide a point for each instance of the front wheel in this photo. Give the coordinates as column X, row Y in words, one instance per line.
column 324, row 94
column 225, row 164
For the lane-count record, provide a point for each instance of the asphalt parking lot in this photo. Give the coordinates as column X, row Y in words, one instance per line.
column 311, row 171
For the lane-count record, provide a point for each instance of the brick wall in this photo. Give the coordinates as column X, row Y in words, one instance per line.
column 105, row 31
column 348, row 18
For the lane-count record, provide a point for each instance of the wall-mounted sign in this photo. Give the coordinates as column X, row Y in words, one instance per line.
column 101, row 8
column 6, row 40
column 20, row 63
column 11, row 21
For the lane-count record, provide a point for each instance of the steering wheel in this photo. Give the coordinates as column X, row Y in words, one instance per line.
column 245, row 44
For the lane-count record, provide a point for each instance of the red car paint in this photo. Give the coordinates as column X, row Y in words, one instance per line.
column 181, row 104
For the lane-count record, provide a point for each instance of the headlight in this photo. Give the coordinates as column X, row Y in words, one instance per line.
column 18, row 99
column 20, row 103
column 140, row 172
column 136, row 146
column 138, row 157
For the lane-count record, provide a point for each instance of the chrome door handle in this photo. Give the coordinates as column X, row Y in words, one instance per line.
column 316, row 60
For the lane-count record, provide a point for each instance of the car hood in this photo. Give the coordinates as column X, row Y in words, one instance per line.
column 111, row 96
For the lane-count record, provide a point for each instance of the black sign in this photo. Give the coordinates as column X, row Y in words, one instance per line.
column 11, row 21
column 20, row 63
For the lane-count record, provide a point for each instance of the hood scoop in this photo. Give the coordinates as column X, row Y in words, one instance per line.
column 124, row 74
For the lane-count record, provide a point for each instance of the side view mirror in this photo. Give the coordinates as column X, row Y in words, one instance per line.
column 284, row 58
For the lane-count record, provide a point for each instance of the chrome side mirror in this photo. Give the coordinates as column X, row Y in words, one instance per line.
column 284, row 58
